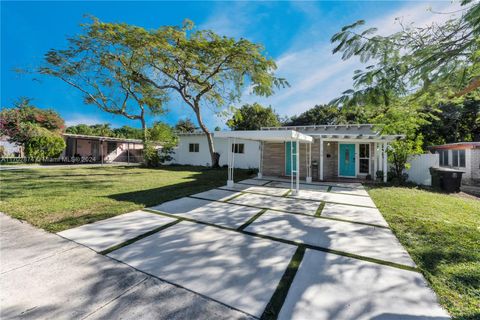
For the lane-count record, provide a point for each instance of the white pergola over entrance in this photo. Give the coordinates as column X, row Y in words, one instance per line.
column 271, row 136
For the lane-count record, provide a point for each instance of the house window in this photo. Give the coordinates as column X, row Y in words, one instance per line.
column 193, row 147
column 364, row 159
column 238, row 148
column 443, row 157
column 458, row 158
column 112, row 148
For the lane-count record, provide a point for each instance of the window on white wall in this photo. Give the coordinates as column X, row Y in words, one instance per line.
column 458, row 158
column 238, row 148
column 193, row 147
column 364, row 159
column 443, row 155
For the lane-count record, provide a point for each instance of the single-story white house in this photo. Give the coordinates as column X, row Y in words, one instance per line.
column 325, row 152
column 192, row 149
column 464, row 156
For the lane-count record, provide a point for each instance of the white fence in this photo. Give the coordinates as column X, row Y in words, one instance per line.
column 419, row 168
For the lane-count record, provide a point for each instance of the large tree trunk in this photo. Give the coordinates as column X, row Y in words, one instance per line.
column 211, row 147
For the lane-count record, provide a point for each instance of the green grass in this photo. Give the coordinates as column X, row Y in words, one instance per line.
column 59, row 199
column 442, row 234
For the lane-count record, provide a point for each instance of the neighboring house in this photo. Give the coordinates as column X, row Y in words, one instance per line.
column 102, row 149
column 193, row 149
column 464, row 156
column 10, row 149
column 328, row 151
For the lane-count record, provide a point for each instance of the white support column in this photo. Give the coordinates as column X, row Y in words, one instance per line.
column 297, row 187
column 375, row 158
column 320, row 165
column 230, row 164
column 291, row 165
column 309, row 163
column 260, row 170
column 385, row 165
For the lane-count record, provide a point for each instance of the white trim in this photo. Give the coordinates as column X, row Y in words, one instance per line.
column 259, row 135
column 320, row 164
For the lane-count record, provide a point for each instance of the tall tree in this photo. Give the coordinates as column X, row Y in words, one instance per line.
column 103, row 63
column 253, row 117
column 185, row 125
column 414, row 58
column 206, row 70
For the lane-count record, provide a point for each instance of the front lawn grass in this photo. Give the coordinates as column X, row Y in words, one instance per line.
column 442, row 234
column 59, row 199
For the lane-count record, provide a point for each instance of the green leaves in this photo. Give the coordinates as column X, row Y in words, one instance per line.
column 253, row 117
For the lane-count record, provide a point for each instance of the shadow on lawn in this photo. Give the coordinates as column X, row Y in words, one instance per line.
column 200, row 181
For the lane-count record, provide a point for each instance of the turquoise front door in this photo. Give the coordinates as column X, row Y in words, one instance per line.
column 288, row 158
column 347, row 160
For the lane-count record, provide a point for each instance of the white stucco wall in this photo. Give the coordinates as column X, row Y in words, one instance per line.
column 249, row 159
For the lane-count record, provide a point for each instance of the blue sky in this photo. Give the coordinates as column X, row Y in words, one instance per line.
column 295, row 33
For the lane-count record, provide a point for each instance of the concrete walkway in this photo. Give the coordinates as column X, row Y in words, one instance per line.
column 44, row 276
column 247, row 251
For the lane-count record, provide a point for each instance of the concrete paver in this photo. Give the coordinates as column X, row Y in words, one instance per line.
column 279, row 203
column 326, row 183
column 216, row 194
column 328, row 286
column 236, row 269
column 354, row 191
column 258, row 189
column 155, row 299
column 223, row 214
column 364, row 240
column 302, row 186
column 335, row 197
column 256, row 182
column 107, row 233
column 354, row 213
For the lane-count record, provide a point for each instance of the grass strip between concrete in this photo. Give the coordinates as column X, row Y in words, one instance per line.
column 290, row 242
column 298, row 213
column 304, row 183
column 275, row 304
column 298, row 197
column 140, row 237
column 250, row 221
column 318, row 213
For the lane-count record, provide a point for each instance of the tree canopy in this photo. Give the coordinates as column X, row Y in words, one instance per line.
column 442, row 60
column 103, row 63
column 38, row 130
column 253, row 117
column 21, row 121
column 128, row 70
column 185, row 126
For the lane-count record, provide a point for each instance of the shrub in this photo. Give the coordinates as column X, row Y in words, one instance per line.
column 151, row 158
column 44, row 144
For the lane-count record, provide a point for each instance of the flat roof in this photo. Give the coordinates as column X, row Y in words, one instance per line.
column 457, row 145
column 265, row 135
column 101, row 138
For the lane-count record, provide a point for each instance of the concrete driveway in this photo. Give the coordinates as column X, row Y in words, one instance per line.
column 251, row 250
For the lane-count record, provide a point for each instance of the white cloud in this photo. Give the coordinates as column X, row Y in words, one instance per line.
column 316, row 76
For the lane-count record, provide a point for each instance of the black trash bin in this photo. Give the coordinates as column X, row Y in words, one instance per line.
column 447, row 179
